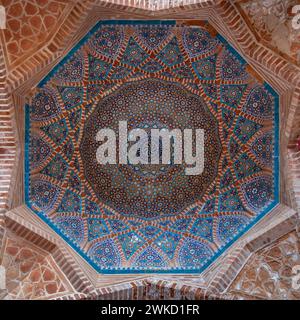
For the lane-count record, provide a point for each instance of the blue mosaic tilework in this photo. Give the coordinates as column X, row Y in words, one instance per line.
column 164, row 227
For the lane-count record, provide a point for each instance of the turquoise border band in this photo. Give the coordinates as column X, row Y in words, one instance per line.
column 43, row 216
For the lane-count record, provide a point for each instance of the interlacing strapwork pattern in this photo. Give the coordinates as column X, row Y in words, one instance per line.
column 29, row 24
column 176, row 226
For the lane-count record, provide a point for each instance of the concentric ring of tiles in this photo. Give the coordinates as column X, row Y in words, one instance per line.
column 199, row 62
column 151, row 190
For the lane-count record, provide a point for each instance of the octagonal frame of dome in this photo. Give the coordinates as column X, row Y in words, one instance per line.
column 279, row 224
column 67, row 64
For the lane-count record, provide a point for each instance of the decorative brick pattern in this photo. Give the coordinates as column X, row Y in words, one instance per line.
column 268, row 273
column 230, row 24
column 21, row 223
column 71, row 270
column 29, row 23
column 67, row 16
column 271, row 23
column 30, row 272
column 276, row 66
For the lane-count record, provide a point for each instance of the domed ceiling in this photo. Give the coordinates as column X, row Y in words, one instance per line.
column 152, row 217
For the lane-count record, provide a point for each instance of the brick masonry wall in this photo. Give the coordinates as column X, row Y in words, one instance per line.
column 7, row 138
column 19, row 75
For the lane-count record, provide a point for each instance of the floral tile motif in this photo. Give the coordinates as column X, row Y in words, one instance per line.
column 137, row 218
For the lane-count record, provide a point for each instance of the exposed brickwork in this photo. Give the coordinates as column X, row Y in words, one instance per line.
column 271, row 23
column 88, row 22
column 7, row 139
column 268, row 273
column 30, row 272
column 149, row 289
column 29, row 23
column 213, row 284
column 18, row 76
column 29, row 235
column 276, row 66
column 49, row 48
column 71, row 270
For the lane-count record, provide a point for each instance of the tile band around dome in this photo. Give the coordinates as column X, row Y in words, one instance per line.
column 131, row 219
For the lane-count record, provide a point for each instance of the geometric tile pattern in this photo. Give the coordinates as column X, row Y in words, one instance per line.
column 149, row 191
column 198, row 61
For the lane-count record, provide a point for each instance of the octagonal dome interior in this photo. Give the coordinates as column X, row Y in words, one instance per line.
column 152, row 218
